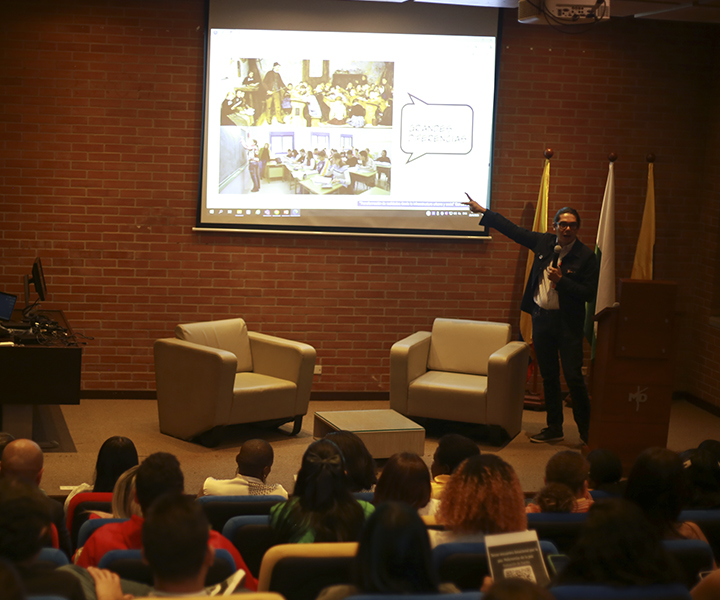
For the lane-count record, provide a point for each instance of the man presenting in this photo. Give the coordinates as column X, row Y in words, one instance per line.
column 563, row 278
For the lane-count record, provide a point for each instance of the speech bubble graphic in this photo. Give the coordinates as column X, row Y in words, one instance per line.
column 435, row 128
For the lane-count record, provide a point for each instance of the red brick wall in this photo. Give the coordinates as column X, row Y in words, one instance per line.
column 100, row 144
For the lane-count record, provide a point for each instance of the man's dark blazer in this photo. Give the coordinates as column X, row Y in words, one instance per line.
column 578, row 283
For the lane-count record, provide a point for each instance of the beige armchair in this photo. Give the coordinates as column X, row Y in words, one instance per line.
column 463, row 371
column 219, row 373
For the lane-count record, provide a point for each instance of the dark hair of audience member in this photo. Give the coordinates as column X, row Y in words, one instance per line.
column 517, row 589
column 325, row 503
column 712, row 446
column 555, row 498
column 618, row 546
column 703, row 472
column 158, row 474
column 394, row 555
column 116, row 455
column 605, row 467
column 452, row 449
column 569, row 468
column 405, row 478
column 10, row 584
column 359, row 462
column 254, row 457
column 175, row 537
column 24, row 517
column 658, row 484
column 483, row 495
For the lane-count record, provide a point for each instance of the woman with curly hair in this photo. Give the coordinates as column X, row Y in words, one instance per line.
column 483, row 496
column 322, row 508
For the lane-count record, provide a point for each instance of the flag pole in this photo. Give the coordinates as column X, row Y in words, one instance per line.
column 534, row 396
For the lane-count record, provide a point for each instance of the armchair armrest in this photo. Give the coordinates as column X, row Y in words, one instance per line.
column 190, row 379
column 507, row 373
column 285, row 359
column 408, row 360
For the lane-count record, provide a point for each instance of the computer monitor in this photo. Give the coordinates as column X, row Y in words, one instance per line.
column 38, row 280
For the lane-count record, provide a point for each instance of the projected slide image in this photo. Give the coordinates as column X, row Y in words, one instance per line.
column 341, row 93
column 347, row 128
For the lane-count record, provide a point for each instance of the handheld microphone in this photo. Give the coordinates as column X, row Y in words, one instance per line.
column 556, row 256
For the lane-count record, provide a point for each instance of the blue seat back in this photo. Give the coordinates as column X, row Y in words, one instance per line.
column 219, row 509
column 607, row 592
column 91, row 526
column 252, row 536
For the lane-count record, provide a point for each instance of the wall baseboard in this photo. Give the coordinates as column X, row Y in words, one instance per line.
column 151, row 395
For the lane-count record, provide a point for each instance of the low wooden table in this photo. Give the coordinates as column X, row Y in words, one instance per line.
column 384, row 432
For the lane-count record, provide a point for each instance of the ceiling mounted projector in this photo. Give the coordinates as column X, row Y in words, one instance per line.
column 562, row 12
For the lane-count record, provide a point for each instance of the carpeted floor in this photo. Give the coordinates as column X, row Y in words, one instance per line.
column 93, row 421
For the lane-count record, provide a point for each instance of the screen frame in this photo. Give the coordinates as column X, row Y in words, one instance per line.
column 418, row 18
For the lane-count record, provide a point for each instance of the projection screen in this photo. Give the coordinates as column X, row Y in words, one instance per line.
column 340, row 117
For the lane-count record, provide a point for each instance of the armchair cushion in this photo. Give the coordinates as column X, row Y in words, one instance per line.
column 462, row 346
column 228, row 334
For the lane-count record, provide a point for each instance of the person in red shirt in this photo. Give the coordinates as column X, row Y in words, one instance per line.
column 158, row 474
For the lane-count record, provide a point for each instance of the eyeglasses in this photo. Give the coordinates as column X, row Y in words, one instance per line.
column 566, row 225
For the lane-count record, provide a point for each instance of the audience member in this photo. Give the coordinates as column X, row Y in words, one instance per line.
column 124, row 501
column 23, row 459
column 158, row 474
column 703, row 473
column 658, row 485
column 176, row 547
column 483, row 496
column 452, row 449
column 393, row 557
column 406, row 478
column 24, row 521
column 571, row 469
column 254, row 463
column 116, row 455
column 618, row 547
column 605, row 472
column 555, row 498
column 322, row 507
column 359, row 463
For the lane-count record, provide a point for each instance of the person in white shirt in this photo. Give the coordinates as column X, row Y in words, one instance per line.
column 254, row 463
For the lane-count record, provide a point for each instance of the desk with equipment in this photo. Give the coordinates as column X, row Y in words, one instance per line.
column 40, row 360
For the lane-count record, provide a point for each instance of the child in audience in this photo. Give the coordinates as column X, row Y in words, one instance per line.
column 571, row 469
column 452, row 449
column 555, row 498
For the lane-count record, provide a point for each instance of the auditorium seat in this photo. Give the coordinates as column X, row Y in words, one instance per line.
column 562, row 529
column 89, row 527
column 465, row 563
column 218, row 373
column 129, row 564
column 301, row 571
column 218, row 509
column 709, row 521
column 693, row 557
column 80, row 510
column 461, row 371
column 607, row 592
column 253, row 537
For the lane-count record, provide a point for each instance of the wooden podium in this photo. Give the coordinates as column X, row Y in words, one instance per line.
column 633, row 372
